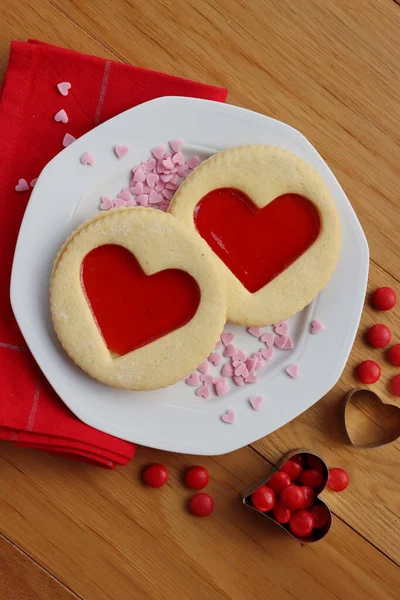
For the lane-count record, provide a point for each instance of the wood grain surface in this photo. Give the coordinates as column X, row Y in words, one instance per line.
column 330, row 69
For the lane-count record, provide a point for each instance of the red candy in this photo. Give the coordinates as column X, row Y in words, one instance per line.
column 155, row 475
column 309, row 495
column 292, row 497
column 338, row 479
column 292, row 468
column 196, row 478
column 314, row 462
column 395, row 385
column 320, row 514
column 394, row 355
column 384, row 298
column 263, row 499
column 298, row 458
column 379, row 336
column 281, row 513
column 368, row 371
column 279, row 481
column 301, row 523
column 311, row 477
column 201, row 505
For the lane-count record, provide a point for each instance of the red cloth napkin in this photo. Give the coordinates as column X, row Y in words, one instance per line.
column 31, row 414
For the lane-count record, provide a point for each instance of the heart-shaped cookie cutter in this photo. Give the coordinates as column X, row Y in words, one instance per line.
column 350, row 397
column 317, row 534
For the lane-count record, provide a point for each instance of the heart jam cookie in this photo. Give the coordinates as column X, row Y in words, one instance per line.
column 134, row 301
column 271, row 225
column 289, row 496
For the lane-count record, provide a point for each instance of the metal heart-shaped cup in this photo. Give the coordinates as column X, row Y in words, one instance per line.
column 317, row 533
column 368, row 421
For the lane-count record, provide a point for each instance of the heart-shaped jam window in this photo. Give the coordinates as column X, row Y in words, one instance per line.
column 132, row 309
column 368, row 421
column 256, row 244
column 302, row 468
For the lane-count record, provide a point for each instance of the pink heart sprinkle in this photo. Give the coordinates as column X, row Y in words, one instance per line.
column 64, row 87
column 178, row 159
column 260, row 364
column 238, row 380
column 267, row 353
column 176, row 145
column 268, row 339
column 293, row 371
column 68, row 139
column 169, row 194
column 203, row 392
column 172, row 186
column 181, row 170
column 151, row 179
column 149, row 165
column 146, row 189
column 175, row 179
column 134, row 169
column 164, row 205
column 222, row 388
column 22, row 186
column 282, row 328
column 236, row 363
column 280, row 341
column 87, row 159
column 289, row 344
column 256, row 402
column 139, row 175
column 168, row 164
column 227, row 338
column 252, row 378
column 142, row 199
column 106, row 203
column 317, row 327
column 240, row 355
column 154, row 197
column 251, row 364
column 241, row 370
column 159, row 167
column 208, row 379
column 167, row 178
column 125, row 195
column 193, row 379
column 227, row 370
column 61, row 116
column 119, row 203
column 121, row 151
column 229, row 417
column 160, row 185
column 137, row 189
column 158, row 152
column 218, row 379
column 203, row 368
column 256, row 331
column 131, row 202
column 257, row 355
column 218, row 345
column 215, row 358
column 193, row 162
column 33, row 182
column 230, row 350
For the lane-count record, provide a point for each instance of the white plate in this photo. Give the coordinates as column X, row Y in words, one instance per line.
column 67, row 193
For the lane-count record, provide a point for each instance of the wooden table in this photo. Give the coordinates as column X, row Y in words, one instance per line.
column 330, row 68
